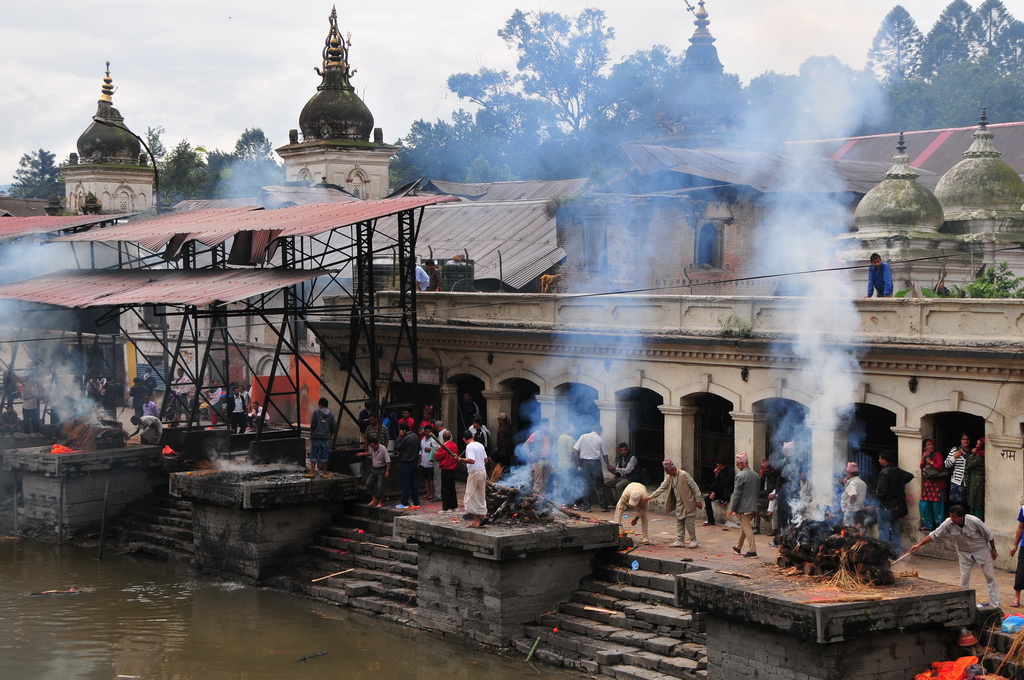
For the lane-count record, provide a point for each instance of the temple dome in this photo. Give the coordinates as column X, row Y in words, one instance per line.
column 336, row 112
column 111, row 142
column 898, row 202
column 981, row 182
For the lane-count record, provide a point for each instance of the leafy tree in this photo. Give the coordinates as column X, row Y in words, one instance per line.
column 156, row 144
column 253, row 146
column 184, row 174
column 37, row 176
column 560, row 60
column 949, row 41
column 997, row 282
column 895, row 52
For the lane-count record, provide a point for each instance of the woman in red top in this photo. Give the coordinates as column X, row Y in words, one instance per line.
column 447, row 457
column 933, row 489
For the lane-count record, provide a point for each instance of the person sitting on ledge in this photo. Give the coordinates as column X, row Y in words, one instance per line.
column 9, row 421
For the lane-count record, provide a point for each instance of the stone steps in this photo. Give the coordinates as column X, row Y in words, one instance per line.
column 382, row 580
column 995, row 659
column 623, row 623
column 157, row 525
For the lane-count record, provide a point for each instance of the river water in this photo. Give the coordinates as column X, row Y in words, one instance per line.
column 139, row 617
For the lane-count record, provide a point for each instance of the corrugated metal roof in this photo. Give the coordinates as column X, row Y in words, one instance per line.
column 934, row 150
column 16, row 227
column 523, row 231
column 94, row 288
column 215, row 226
column 526, row 190
column 23, row 207
column 272, row 198
column 762, row 170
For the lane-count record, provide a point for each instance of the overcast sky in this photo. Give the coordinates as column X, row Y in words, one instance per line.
column 206, row 70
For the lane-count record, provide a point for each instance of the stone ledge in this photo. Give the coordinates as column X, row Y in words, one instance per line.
column 762, row 603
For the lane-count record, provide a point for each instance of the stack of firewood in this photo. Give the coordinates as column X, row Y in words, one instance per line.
column 817, row 548
column 516, row 504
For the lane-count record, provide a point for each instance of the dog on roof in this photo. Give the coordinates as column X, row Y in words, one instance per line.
column 549, row 283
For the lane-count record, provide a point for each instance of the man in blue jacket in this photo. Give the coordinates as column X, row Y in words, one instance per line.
column 879, row 277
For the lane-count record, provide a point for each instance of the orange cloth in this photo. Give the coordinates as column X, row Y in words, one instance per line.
column 948, row 670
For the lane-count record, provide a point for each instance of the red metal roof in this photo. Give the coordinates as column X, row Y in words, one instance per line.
column 102, row 287
column 214, row 226
column 16, row 227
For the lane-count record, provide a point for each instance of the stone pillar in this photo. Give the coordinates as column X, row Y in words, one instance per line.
column 749, row 435
column 823, row 464
column 679, row 435
column 497, row 402
column 449, row 414
column 548, row 409
column 609, row 417
column 1004, row 479
column 908, row 443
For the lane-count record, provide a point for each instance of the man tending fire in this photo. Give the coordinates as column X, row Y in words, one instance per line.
column 975, row 544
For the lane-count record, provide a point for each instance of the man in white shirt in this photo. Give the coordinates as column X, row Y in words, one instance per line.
column 589, row 453
column 975, row 544
column 150, row 428
column 422, row 278
column 475, row 458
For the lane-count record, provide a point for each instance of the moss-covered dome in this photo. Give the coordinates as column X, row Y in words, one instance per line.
column 980, row 182
column 898, row 202
column 336, row 112
column 109, row 141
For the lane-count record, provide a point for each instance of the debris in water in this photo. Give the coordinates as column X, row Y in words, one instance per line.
column 311, row 656
column 67, row 591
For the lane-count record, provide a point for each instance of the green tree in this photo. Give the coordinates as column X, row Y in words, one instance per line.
column 949, row 41
column 560, row 60
column 156, row 144
column 997, row 35
column 895, row 52
column 184, row 174
column 37, row 176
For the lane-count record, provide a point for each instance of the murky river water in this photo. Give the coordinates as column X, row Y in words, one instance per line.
column 137, row 617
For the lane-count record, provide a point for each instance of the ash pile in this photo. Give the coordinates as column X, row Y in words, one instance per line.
column 517, row 505
column 819, row 549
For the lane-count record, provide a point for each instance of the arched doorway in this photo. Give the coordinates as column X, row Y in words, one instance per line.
column 646, row 429
column 524, row 412
column 945, row 428
column 577, row 405
column 868, row 435
column 470, row 400
column 714, row 438
column 785, row 421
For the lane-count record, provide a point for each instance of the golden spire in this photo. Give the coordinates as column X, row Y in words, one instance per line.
column 108, row 86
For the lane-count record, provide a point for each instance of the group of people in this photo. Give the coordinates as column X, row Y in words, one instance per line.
column 957, row 477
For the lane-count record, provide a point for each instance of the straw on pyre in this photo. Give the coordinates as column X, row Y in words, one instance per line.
column 817, row 548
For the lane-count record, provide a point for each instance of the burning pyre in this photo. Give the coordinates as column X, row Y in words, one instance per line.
column 817, row 548
column 82, row 435
column 512, row 504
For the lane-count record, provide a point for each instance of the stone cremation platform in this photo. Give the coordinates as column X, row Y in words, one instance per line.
column 485, row 583
column 772, row 626
column 249, row 522
column 61, row 496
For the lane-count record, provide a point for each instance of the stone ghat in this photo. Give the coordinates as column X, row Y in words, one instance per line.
column 771, row 626
column 261, row 487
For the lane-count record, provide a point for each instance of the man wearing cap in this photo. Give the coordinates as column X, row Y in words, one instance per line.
column 634, row 496
column 744, row 504
column 683, row 497
column 854, row 494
